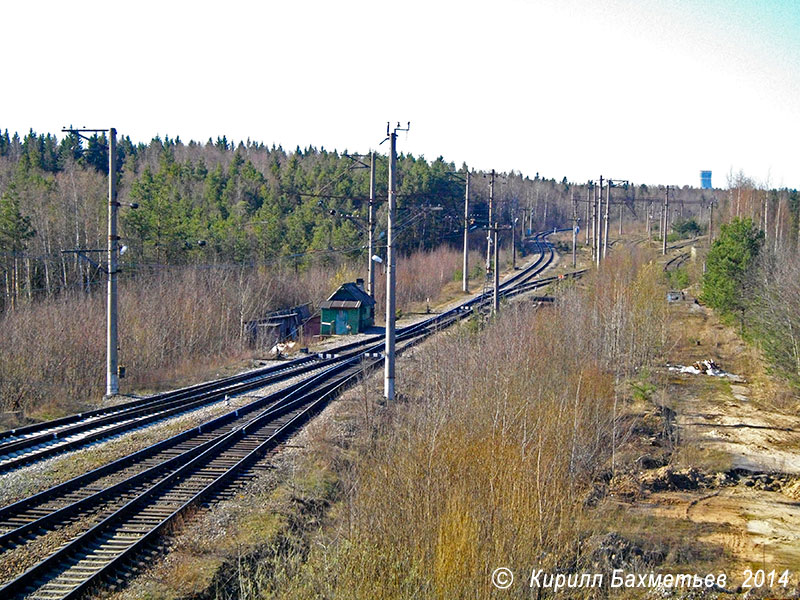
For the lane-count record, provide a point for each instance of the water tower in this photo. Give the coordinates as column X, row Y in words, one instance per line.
column 705, row 180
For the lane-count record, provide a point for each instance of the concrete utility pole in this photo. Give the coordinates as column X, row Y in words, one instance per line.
column 609, row 184
column 666, row 218
column 112, row 363
column 710, row 222
column 605, row 220
column 588, row 202
column 492, row 231
column 465, row 268
column 590, row 221
column 112, row 259
column 513, row 242
column 544, row 217
column 491, row 207
column 591, row 197
column 574, row 228
column 388, row 379
column 370, row 228
column 598, row 227
column 496, row 274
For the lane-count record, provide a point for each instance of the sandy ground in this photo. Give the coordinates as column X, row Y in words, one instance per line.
column 743, row 437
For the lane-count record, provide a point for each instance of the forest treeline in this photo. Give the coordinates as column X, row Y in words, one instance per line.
column 282, row 227
column 220, row 203
column 753, row 279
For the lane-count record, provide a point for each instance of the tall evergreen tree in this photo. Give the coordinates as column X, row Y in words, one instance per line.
column 729, row 278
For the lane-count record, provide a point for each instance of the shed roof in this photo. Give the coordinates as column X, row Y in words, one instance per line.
column 350, row 293
column 340, row 304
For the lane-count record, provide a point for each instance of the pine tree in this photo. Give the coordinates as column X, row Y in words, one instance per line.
column 70, row 149
column 729, row 278
column 15, row 231
column 5, row 144
column 96, row 154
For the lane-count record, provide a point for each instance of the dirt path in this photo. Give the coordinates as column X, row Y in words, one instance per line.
column 742, row 438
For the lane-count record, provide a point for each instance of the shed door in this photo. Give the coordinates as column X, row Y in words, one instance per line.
column 341, row 323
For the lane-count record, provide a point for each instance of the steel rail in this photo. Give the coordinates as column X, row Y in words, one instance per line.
column 45, row 443
column 57, row 425
column 416, row 332
column 30, row 509
column 56, row 575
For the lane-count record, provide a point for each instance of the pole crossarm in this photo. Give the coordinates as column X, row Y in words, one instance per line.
column 80, row 131
column 83, row 254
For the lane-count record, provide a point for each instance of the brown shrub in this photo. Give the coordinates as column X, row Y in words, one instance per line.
column 174, row 323
column 491, row 457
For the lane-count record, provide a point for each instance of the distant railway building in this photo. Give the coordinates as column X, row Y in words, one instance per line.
column 349, row 310
column 279, row 326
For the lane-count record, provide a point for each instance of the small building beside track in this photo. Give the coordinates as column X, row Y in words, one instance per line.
column 348, row 310
column 279, row 326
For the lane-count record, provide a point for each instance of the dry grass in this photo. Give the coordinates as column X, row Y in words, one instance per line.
column 491, row 456
column 175, row 325
column 423, row 276
column 488, row 458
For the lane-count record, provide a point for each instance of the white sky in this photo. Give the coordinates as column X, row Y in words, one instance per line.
column 645, row 90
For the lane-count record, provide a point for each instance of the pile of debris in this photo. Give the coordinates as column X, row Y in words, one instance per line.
column 704, row 367
column 666, row 478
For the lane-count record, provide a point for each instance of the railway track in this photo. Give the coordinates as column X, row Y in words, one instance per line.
column 84, row 429
column 676, row 262
column 29, row 444
column 24, row 445
column 123, row 506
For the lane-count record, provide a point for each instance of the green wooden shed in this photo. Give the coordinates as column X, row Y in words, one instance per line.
column 348, row 310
